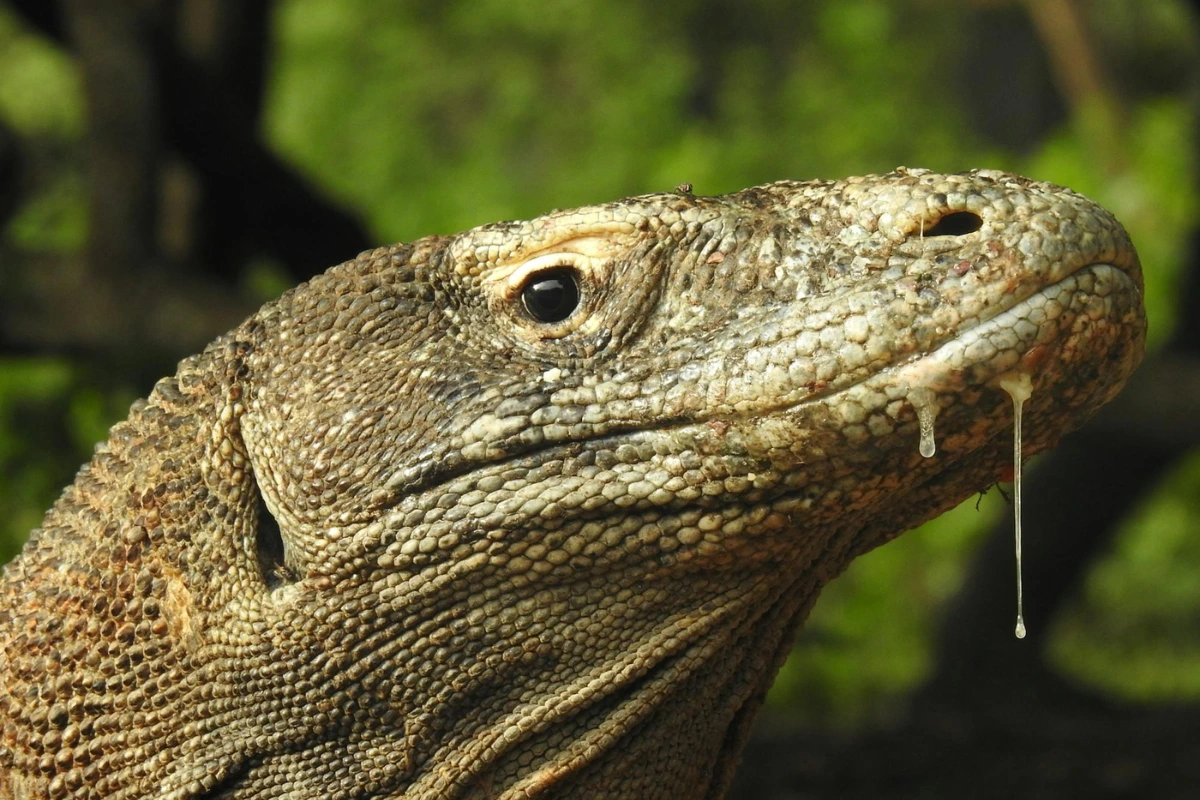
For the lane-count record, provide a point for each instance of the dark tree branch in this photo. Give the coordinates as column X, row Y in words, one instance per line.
column 115, row 45
column 210, row 96
column 44, row 15
column 10, row 169
column 169, row 238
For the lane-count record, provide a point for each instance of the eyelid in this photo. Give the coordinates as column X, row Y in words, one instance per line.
column 585, row 265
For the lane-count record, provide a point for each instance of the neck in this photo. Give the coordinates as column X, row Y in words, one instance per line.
column 661, row 710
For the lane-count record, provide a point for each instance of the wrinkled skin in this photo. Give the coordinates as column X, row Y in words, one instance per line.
column 395, row 537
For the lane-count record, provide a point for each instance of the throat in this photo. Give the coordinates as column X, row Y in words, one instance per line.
column 676, row 733
column 658, row 715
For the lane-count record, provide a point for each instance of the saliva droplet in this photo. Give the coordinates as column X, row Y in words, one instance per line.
column 1019, row 388
column 924, row 402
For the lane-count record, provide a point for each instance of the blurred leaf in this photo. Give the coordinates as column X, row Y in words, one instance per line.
column 1155, row 196
column 847, row 663
column 26, row 481
column 39, row 85
column 40, row 97
column 38, row 453
column 54, row 219
column 1136, row 630
column 431, row 116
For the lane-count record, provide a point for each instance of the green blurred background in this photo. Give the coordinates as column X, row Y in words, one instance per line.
column 403, row 119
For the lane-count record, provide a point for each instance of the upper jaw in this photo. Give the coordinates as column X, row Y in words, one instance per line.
column 1048, row 285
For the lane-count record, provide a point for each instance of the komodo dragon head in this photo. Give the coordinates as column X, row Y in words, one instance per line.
column 534, row 510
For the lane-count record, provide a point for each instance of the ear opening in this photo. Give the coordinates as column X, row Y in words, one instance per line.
column 272, row 553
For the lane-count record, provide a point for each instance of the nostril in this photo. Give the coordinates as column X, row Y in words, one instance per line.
column 956, row 223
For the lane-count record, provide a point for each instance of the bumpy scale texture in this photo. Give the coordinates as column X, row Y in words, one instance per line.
column 394, row 537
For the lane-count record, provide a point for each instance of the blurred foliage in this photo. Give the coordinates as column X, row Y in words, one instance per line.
column 40, row 90
column 869, row 639
column 1154, row 195
column 1136, row 629
column 25, row 483
column 35, row 393
column 40, row 98
column 435, row 116
column 431, row 116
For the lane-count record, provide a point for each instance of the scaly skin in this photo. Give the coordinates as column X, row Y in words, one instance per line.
column 524, row 559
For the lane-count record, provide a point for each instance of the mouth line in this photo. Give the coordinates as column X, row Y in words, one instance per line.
column 951, row 367
column 1022, row 338
column 956, row 364
column 1002, row 340
column 1009, row 333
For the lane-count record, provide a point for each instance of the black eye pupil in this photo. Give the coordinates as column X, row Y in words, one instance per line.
column 551, row 296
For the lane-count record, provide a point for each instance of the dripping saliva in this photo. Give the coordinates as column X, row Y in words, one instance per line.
column 1019, row 387
column 925, row 403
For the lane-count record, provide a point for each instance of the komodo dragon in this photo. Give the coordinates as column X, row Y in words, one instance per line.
column 535, row 510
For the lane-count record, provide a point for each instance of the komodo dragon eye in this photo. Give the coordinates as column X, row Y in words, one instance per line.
column 551, row 295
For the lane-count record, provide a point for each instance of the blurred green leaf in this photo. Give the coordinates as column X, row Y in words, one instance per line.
column 435, row 115
column 1136, row 630
column 39, row 85
column 847, row 663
